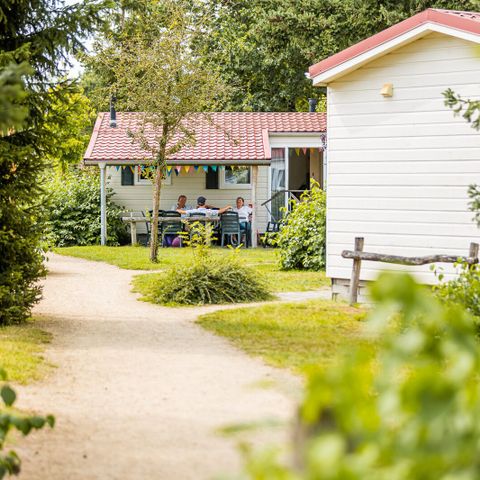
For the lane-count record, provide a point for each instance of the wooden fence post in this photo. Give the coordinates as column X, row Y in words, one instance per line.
column 355, row 280
column 473, row 253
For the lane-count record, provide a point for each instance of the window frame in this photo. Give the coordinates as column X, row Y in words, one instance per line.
column 229, row 186
column 146, row 181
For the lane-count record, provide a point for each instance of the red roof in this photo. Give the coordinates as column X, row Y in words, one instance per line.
column 465, row 21
column 226, row 136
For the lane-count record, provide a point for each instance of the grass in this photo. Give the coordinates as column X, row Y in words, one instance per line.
column 294, row 335
column 136, row 258
column 21, row 352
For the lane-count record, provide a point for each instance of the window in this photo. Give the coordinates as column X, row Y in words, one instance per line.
column 127, row 176
column 238, row 177
column 146, row 176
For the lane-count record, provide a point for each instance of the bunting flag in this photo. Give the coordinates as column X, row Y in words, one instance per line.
column 117, row 168
column 132, row 168
column 195, row 167
column 186, row 168
column 178, row 169
column 169, row 169
column 297, row 151
column 214, row 168
column 176, row 172
column 205, row 168
column 304, row 151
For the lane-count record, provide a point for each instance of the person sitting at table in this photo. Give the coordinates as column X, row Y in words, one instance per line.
column 202, row 207
column 181, row 203
column 244, row 213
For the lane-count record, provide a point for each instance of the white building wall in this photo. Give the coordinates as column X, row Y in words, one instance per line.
column 138, row 198
column 399, row 167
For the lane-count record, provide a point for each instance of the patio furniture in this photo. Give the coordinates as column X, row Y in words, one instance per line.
column 229, row 226
column 246, row 231
column 172, row 227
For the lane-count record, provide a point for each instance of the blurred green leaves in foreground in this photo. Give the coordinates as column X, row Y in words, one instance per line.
column 410, row 410
column 10, row 420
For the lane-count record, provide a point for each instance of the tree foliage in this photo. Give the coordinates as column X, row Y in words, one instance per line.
column 410, row 410
column 264, row 47
column 35, row 41
column 156, row 72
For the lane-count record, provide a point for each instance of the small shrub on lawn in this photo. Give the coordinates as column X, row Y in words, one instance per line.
column 9, row 461
column 75, row 211
column 301, row 239
column 210, row 280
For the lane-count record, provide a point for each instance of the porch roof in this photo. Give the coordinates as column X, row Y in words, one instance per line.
column 238, row 138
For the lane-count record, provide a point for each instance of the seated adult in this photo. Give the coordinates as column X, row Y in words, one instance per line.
column 244, row 213
column 202, row 207
column 181, row 203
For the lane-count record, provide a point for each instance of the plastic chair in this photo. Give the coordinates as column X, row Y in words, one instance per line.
column 171, row 228
column 229, row 226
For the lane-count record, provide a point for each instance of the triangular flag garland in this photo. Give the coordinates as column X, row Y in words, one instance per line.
column 181, row 169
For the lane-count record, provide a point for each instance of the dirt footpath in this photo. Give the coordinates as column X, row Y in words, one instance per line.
column 139, row 391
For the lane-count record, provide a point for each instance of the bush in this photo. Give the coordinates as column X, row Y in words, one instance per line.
column 75, row 211
column 210, row 280
column 463, row 290
column 10, row 462
column 410, row 411
column 302, row 237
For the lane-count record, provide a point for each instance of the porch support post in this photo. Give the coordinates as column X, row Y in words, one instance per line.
column 254, row 202
column 103, row 204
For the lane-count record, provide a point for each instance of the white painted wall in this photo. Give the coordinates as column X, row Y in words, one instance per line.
column 192, row 184
column 399, row 168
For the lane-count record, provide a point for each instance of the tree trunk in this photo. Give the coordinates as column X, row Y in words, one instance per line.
column 157, row 187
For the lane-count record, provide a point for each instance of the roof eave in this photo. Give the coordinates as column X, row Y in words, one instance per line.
column 260, row 162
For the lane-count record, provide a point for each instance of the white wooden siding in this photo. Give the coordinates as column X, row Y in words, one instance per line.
column 192, row 184
column 399, row 167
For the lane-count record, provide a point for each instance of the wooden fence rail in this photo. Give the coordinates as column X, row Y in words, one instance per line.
column 357, row 255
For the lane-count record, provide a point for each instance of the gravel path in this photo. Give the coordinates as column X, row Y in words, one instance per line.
column 139, row 391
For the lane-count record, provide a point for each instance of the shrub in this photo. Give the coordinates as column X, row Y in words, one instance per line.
column 302, row 237
column 210, row 280
column 410, row 411
column 10, row 462
column 463, row 290
column 75, row 211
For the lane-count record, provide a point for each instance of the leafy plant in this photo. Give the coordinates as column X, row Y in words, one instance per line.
column 302, row 236
column 409, row 411
column 474, row 194
column 207, row 279
column 74, row 217
column 463, row 290
column 9, row 461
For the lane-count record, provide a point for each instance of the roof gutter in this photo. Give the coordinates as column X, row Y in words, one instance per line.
column 236, row 163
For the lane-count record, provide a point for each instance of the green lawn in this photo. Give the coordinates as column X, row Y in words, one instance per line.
column 21, row 352
column 293, row 335
column 136, row 258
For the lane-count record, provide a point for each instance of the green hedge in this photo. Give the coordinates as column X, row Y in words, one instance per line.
column 301, row 239
column 75, row 211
